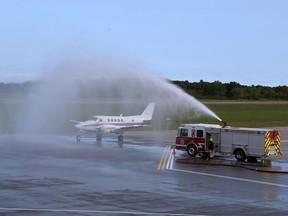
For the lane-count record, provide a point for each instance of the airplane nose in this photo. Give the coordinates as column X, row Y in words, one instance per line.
column 78, row 126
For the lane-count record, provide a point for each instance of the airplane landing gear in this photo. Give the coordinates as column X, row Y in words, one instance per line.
column 98, row 137
column 120, row 138
column 78, row 138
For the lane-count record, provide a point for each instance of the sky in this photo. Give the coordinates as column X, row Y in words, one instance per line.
column 245, row 41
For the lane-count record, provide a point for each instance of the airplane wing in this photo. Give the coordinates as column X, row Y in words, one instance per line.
column 117, row 129
column 130, row 127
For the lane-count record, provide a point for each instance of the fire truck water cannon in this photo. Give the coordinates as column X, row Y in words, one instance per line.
column 243, row 143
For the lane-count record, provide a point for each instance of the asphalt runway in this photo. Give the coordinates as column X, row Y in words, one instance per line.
column 55, row 175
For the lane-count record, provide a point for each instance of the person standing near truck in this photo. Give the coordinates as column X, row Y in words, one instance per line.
column 210, row 146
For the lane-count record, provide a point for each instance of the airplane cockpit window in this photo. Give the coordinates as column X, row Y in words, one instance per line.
column 108, row 120
column 100, row 120
column 94, row 118
column 121, row 120
column 118, row 120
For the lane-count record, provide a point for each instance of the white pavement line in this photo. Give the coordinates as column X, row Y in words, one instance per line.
column 165, row 157
column 170, row 162
column 284, row 140
column 232, row 178
column 92, row 211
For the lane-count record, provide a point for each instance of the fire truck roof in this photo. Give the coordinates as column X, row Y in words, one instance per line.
column 201, row 125
column 227, row 128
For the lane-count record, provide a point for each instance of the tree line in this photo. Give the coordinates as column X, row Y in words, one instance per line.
column 200, row 90
column 232, row 90
column 16, row 90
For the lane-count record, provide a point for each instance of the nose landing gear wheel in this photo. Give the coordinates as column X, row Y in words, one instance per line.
column 78, row 138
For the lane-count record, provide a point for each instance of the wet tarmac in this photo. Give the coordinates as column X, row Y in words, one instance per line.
column 55, row 175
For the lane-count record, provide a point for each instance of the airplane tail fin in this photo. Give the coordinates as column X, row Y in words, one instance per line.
column 148, row 112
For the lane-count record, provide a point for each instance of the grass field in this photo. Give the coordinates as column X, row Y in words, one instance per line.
column 235, row 113
column 251, row 113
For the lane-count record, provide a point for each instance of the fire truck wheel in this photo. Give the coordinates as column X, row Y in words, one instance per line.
column 240, row 154
column 192, row 150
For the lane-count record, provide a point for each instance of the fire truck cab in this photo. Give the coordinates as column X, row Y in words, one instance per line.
column 194, row 137
column 243, row 143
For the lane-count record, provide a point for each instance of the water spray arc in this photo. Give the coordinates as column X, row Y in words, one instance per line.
column 97, row 81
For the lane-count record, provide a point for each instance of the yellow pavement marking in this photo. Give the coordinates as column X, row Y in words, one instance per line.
column 163, row 158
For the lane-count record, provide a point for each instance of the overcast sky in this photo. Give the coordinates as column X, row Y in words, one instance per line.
column 227, row 40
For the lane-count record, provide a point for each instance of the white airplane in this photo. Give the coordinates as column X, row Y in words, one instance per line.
column 115, row 124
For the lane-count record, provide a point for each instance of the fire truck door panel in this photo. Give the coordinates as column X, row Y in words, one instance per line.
column 240, row 139
column 183, row 140
column 200, row 133
column 200, row 140
column 193, row 133
column 256, row 144
column 226, row 142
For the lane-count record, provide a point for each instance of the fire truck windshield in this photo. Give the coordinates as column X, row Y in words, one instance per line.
column 183, row 132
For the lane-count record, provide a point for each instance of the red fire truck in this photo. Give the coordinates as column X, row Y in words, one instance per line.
column 242, row 142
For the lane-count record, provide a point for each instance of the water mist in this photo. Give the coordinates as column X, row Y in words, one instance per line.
column 107, row 87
